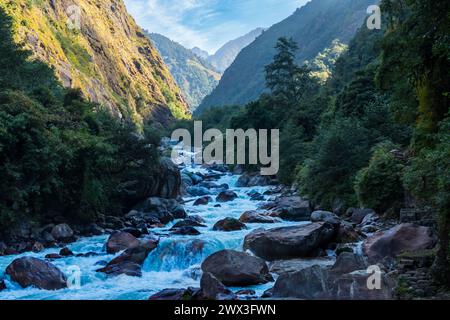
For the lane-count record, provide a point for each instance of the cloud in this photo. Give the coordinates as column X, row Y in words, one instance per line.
column 208, row 24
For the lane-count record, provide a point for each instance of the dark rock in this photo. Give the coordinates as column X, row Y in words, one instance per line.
column 176, row 294
column 195, row 218
column 185, row 231
column 291, row 208
column 28, row 271
column 267, row 294
column 187, row 223
column 289, row 242
column 217, row 206
column 127, row 268
column 213, row 289
column 156, row 210
column 196, row 191
column 65, row 252
column 257, row 197
column 53, row 256
column 357, row 215
column 348, row 262
column 226, row 196
column 229, row 224
column 135, row 232
column 347, row 234
column 87, row 255
column 252, row 180
column 3, row 248
column 247, row 292
column 101, row 263
column 62, row 232
column 401, row 238
column 202, row 201
column 119, row 241
column 37, row 247
column 168, row 184
column 354, row 286
column 256, row 217
column 95, row 230
column 234, row 268
column 2, row 284
column 325, row 216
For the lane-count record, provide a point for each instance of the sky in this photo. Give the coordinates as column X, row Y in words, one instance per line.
column 208, row 24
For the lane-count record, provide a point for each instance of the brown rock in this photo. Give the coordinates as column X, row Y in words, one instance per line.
column 229, row 224
column 119, row 241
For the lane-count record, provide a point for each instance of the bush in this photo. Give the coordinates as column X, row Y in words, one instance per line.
column 379, row 186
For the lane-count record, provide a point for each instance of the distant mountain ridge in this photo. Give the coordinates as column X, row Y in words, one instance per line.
column 314, row 27
column 225, row 56
column 194, row 75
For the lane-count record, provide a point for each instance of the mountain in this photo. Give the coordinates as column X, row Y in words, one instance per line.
column 314, row 27
column 225, row 56
column 108, row 57
column 201, row 53
column 196, row 77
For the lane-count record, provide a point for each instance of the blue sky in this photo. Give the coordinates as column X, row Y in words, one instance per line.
column 208, row 24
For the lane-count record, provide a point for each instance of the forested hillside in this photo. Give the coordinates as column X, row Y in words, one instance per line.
column 195, row 76
column 376, row 134
column 313, row 27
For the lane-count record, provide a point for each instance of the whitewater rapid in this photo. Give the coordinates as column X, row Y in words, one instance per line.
column 175, row 263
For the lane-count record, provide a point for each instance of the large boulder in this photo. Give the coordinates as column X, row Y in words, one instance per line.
column 401, row 238
column 234, row 268
column 202, row 201
column 197, row 191
column 169, row 183
column 157, row 209
column 256, row 217
column 28, row 271
column 354, row 286
column 228, row 224
column 348, row 262
column 185, row 231
column 213, row 289
column 131, row 260
column 119, row 241
column 62, row 232
column 226, row 196
column 325, row 216
column 291, row 208
column 289, row 242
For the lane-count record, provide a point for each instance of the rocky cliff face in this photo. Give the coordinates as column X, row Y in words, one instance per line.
column 96, row 46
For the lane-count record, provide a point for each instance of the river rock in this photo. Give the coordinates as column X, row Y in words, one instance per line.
column 289, row 242
column 176, row 294
column 28, row 271
column 294, row 265
column 252, row 180
column 196, row 191
column 234, row 268
column 62, row 232
column 226, row 196
column 347, row 234
column 3, row 248
column 168, row 183
column 65, row 252
column 2, row 284
column 325, row 216
column 119, row 241
column 131, row 260
column 185, row 231
column 213, row 289
column 163, row 210
column 53, row 256
column 37, row 247
column 401, row 238
column 187, row 223
column 291, row 208
column 348, row 262
column 228, row 224
column 357, row 215
column 256, row 217
column 202, row 201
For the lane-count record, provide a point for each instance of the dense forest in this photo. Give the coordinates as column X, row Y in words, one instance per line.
column 376, row 134
column 60, row 155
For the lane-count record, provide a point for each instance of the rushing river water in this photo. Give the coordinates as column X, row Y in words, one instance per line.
column 175, row 263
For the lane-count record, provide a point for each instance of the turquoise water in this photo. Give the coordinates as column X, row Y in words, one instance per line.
column 175, row 263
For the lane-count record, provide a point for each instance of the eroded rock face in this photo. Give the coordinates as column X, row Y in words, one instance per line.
column 234, row 268
column 403, row 237
column 119, row 241
column 229, row 224
column 213, row 289
column 289, row 242
column 28, row 271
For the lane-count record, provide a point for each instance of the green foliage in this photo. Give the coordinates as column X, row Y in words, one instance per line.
column 61, row 155
column 379, row 186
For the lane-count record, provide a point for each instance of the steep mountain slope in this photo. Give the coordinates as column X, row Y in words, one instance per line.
column 201, row 53
column 225, row 56
column 195, row 77
column 108, row 57
column 314, row 27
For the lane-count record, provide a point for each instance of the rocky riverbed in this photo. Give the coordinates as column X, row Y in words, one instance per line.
column 229, row 237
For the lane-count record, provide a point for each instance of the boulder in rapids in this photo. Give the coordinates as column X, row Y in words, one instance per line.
column 290, row 208
column 252, row 180
column 226, row 196
column 187, row 223
column 29, row 271
column 229, row 224
column 185, row 231
column 234, row 268
column 62, row 232
column 213, row 289
column 176, row 294
column 119, row 241
column 289, row 242
column 202, row 201
column 256, row 217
